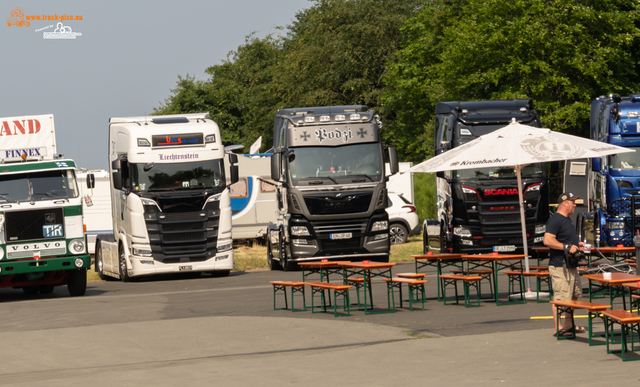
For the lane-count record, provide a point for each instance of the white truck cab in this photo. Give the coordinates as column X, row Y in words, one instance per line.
column 170, row 204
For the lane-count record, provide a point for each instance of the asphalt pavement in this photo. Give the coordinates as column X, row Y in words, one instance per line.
column 206, row 331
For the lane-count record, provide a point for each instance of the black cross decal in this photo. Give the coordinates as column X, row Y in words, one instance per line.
column 305, row 136
column 362, row 133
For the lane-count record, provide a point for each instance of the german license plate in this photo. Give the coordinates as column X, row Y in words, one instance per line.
column 342, row 235
column 505, row 248
column 186, row 268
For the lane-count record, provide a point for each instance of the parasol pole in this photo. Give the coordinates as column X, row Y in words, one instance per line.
column 523, row 225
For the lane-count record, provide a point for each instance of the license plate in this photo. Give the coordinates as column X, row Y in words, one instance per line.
column 505, row 248
column 186, row 268
column 343, row 235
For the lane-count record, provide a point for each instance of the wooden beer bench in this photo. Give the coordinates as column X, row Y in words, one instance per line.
column 338, row 290
column 594, row 310
column 468, row 281
column 296, row 287
column 629, row 323
column 414, row 285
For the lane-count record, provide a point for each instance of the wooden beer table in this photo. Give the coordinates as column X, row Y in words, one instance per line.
column 440, row 261
column 369, row 269
column 499, row 262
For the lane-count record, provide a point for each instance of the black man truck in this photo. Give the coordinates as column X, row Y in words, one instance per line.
column 170, row 202
column 328, row 163
column 42, row 235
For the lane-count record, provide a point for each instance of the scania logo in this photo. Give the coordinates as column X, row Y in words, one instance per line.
column 338, row 195
column 500, row 191
column 50, row 218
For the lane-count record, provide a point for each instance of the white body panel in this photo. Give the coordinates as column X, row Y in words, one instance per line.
column 253, row 201
column 97, row 217
column 31, row 136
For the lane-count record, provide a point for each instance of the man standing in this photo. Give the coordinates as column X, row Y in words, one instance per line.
column 561, row 235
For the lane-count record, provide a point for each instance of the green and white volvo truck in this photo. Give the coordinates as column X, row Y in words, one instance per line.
column 42, row 239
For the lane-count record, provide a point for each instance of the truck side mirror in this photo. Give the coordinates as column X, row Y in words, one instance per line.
column 595, row 164
column 91, row 181
column 233, row 169
column 393, row 160
column 233, row 158
column 115, row 164
column 116, row 178
column 275, row 167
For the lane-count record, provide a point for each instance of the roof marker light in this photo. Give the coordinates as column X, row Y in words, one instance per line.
column 340, row 117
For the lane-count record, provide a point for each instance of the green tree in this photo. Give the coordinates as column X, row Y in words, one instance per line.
column 334, row 53
column 238, row 94
column 561, row 53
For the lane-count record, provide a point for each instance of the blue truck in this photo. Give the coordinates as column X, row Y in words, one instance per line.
column 613, row 183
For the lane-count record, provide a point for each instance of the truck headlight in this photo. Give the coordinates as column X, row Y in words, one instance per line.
column 77, row 246
column 615, row 225
column 461, row 231
column 541, row 228
column 225, row 247
column 380, row 225
column 141, row 251
column 300, row 231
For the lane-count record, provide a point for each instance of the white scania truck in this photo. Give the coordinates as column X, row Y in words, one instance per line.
column 42, row 241
column 170, row 200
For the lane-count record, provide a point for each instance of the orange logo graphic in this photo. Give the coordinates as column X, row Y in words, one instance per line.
column 17, row 18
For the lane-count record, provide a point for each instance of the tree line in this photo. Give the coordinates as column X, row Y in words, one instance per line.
column 400, row 57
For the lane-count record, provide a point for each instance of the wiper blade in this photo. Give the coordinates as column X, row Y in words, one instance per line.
column 7, row 197
column 362, row 174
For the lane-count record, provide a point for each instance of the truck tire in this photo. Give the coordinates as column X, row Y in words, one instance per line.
column 46, row 289
column 425, row 240
column 31, row 290
column 443, row 239
column 398, row 234
column 77, row 283
column 284, row 262
column 273, row 265
column 99, row 263
column 122, row 265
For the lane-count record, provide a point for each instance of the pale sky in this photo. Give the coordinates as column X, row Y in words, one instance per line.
column 125, row 63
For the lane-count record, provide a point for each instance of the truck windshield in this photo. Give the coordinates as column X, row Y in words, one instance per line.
column 326, row 165
column 625, row 160
column 530, row 171
column 38, row 186
column 170, row 176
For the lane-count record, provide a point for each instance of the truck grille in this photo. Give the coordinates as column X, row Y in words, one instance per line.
column 346, row 203
column 34, row 225
column 184, row 236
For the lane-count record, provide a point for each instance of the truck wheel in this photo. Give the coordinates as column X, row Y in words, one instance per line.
column 273, row 265
column 443, row 240
column 99, row 262
column 122, row 264
column 46, row 289
column 425, row 240
column 31, row 290
column 397, row 234
column 77, row 283
column 284, row 262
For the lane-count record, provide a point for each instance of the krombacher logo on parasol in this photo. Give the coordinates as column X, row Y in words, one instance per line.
column 476, row 162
